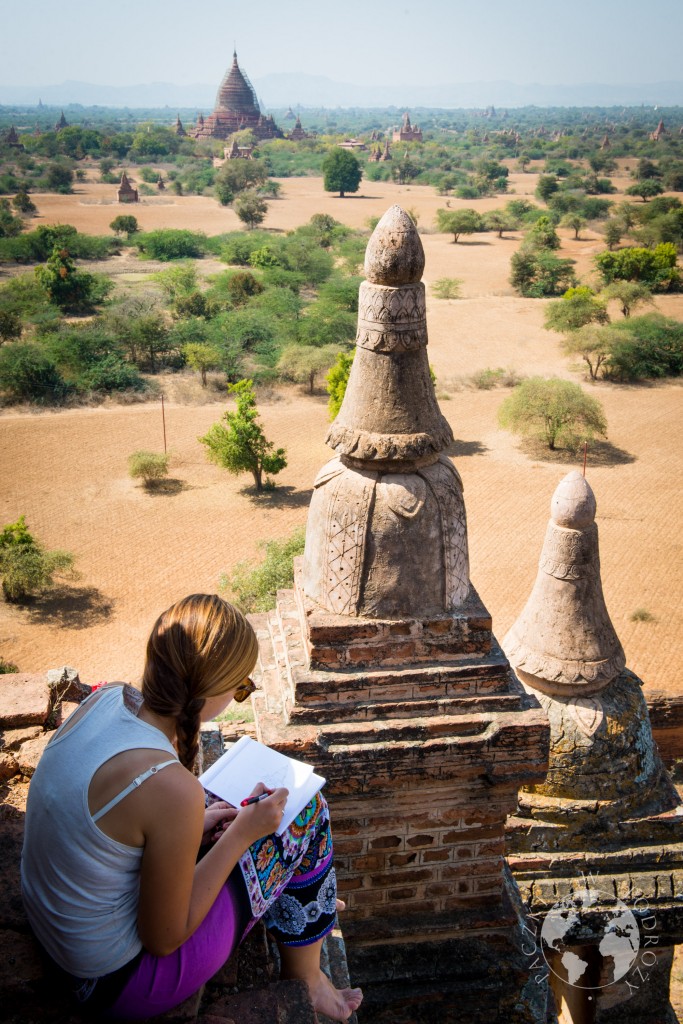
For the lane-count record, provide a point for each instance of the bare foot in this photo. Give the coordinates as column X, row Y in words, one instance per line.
column 337, row 1004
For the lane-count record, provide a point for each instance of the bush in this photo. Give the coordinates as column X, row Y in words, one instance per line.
column 150, row 467
column 537, row 273
column 26, row 372
column 447, row 288
column 171, row 244
column 25, row 566
column 254, row 585
column 656, row 268
column 337, row 378
column 553, row 410
column 7, row 666
column 647, row 347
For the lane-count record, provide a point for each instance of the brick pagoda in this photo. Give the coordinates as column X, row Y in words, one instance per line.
column 381, row 669
column 236, row 108
column 407, row 131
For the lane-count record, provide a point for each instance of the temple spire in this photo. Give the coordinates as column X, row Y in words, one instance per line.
column 563, row 641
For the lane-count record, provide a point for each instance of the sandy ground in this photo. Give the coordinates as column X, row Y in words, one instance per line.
column 137, row 552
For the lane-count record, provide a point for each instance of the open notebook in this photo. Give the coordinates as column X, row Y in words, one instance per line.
column 233, row 776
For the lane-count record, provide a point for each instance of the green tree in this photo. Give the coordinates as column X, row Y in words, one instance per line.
column 576, row 308
column 255, row 586
column 150, row 467
column 239, row 444
column 458, row 222
column 593, row 343
column 304, row 363
column 647, row 189
column 23, row 202
column 575, row 222
column 547, row 185
column 500, row 222
column 251, row 209
column 628, row 294
column 202, row 358
column 537, row 273
column 74, row 291
column 556, row 411
column 614, row 229
column 125, row 224
column 656, row 268
column 235, row 176
column 542, row 235
column 342, row 172
column 26, row 567
column 337, row 378
column 59, row 178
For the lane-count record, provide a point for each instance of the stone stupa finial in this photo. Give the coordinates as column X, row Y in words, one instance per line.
column 386, row 535
column 390, row 416
column 564, row 642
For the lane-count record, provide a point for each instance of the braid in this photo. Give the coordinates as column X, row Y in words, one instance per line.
column 188, row 724
column 199, row 647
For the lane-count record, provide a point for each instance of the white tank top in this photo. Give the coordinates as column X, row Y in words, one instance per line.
column 80, row 887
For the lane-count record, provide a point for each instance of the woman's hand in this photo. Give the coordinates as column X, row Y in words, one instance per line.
column 258, row 819
column 217, row 817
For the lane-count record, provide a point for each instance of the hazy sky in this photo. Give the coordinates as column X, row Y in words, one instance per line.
column 130, row 42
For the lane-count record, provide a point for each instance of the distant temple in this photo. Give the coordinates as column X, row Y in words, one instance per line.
column 126, row 192
column 62, row 123
column 297, row 133
column 178, row 127
column 659, row 132
column 236, row 108
column 235, row 152
column 407, row 132
column 12, row 139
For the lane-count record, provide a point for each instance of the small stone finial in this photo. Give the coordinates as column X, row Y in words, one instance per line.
column 573, row 503
column 394, row 255
column 563, row 641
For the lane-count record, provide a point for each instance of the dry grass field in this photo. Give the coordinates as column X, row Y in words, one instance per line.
column 137, row 552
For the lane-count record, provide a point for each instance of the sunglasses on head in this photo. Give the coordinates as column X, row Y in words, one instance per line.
column 244, row 690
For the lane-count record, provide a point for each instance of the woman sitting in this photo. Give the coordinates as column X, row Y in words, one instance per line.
column 115, row 820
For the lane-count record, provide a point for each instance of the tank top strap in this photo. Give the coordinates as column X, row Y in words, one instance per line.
column 135, row 784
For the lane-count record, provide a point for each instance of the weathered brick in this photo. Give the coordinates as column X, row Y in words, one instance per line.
column 406, row 893
column 399, row 877
column 385, row 843
column 419, row 841
column 342, row 846
column 434, row 856
column 367, row 863
column 399, row 860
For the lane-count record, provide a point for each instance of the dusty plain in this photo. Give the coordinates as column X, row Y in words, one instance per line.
column 137, row 552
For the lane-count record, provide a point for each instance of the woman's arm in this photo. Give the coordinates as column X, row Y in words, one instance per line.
column 176, row 893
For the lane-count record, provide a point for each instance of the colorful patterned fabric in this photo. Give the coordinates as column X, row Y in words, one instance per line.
column 290, row 879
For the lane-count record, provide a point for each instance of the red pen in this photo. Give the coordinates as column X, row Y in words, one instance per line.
column 255, row 799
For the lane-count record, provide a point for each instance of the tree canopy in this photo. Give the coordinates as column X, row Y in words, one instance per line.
column 342, row 172
column 557, row 411
column 239, row 443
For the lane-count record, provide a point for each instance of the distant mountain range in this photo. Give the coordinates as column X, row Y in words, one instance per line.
column 283, row 90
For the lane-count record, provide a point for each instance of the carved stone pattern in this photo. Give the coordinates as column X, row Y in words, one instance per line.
column 360, row 444
column 346, row 531
column 588, row 713
column 391, row 319
column 445, row 482
column 568, row 570
column 558, row 670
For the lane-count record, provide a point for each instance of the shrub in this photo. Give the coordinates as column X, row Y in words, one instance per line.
column 150, row 467
column 537, row 273
column 26, row 372
column 447, row 288
column 7, row 666
column 656, row 268
column 648, row 346
column 171, row 244
column 486, row 380
column 26, row 567
column 254, row 585
column 337, row 378
column 642, row 615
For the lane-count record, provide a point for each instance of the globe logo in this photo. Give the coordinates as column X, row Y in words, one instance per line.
column 561, row 930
